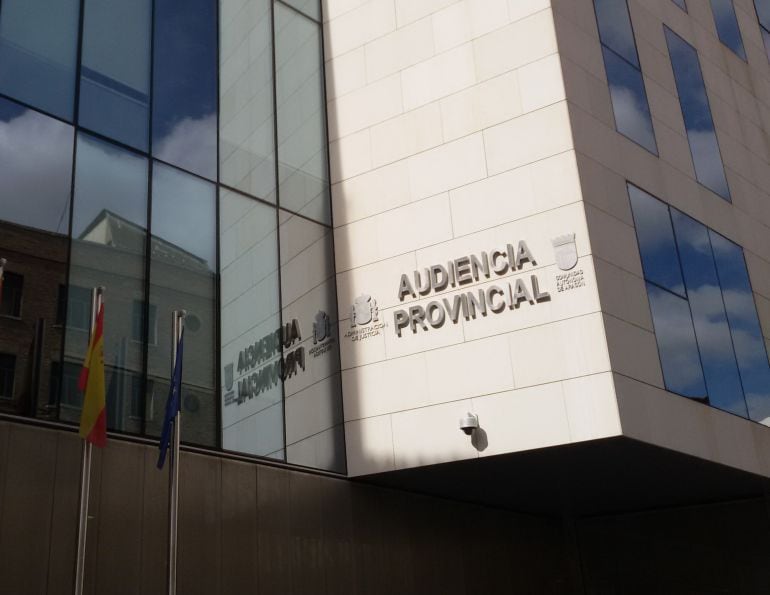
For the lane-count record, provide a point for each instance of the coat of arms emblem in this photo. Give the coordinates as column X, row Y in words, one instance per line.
column 566, row 251
column 364, row 310
column 322, row 327
column 229, row 377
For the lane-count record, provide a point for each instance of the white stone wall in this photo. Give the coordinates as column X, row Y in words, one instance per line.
column 450, row 135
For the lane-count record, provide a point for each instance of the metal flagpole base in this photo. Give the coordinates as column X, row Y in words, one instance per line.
column 85, row 488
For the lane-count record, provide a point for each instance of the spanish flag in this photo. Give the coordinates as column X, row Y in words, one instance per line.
column 93, row 418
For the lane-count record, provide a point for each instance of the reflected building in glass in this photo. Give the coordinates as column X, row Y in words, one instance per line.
column 477, row 293
column 175, row 155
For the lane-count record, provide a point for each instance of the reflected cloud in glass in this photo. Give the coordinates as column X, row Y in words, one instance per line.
column 696, row 112
column 677, row 346
column 656, row 241
column 720, row 368
column 744, row 326
column 36, row 168
column 184, row 127
column 615, row 29
column 727, row 26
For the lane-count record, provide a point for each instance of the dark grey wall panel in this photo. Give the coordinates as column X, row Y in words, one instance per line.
column 200, row 505
column 152, row 577
column 274, row 541
column 25, row 525
column 62, row 551
column 239, row 527
column 119, row 535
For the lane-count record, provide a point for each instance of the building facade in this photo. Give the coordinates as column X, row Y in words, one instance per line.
column 549, row 217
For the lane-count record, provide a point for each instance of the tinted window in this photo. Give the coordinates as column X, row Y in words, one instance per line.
column 38, row 52
column 182, row 276
column 656, row 241
column 247, row 132
column 677, row 347
column 36, row 168
column 744, row 326
column 109, row 223
column 624, row 76
column 302, row 160
column 311, row 8
column 115, row 70
column 252, row 387
column 720, row 369
column 697, row 115
column 629, row 101
column 727, row 26
column 314, row 434
column 184, row 119
column 681, row 4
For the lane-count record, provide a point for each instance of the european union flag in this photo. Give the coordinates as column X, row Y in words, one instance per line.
column 173, row 403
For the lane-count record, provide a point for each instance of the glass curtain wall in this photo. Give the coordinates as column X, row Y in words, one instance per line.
column 706, row 325
column 175, row 153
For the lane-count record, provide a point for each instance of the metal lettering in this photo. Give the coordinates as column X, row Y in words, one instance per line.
column 491, row 293
column 463, row 267
column 432, row 308
column 405, row 288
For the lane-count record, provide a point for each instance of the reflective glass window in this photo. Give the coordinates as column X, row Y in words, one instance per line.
column 246, row 121
column 302, row 159
column 677, row 347
column 251, row 333
column 727, row 26
column 656, row 241
column 629, row 101
column 696, row 112
column 763, row 14
column 184, row 118
column 681, row 4
column 720, row 369
column 744, row 326
column 36, row 169
column 314, row 433
column 38, row 53
column 109, row 235
column 183, row 277
column 624, row 75
column 311, row 8
column 115, row 70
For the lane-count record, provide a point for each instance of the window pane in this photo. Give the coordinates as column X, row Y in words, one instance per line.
column 311, row 8
column 109, row 233
column 302, row 162
column 629, row 101
column 676, row 343
column 115, row 70
column 36, row 168
column 744, row 326
column 38, row 51
column 708, row 312
column 681, row 4
column 184, row 119
column 615, row 28
column 697, row 115
column 763, row 12
column 656, row 241
column 727, row 26
column 766, row 40
column 314, row 434
column 252, row 391
column 36, row 165
column 182, row 276
column 247, row 135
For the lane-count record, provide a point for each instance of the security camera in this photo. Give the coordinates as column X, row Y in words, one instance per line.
column 468, row 423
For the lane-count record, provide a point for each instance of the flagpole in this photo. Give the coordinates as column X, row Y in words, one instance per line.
column 97, row 296
column 177, row 326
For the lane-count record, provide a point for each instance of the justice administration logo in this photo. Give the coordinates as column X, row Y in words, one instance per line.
column 364, row 319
